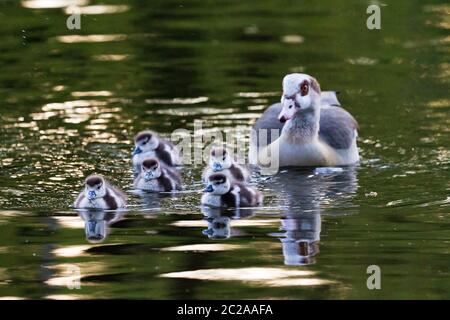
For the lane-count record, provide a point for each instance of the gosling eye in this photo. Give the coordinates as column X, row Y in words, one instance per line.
column 99, row 187
column 290, row 107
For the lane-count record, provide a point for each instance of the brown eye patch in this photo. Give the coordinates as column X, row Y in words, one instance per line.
column 94, row 181
column 217, row 178
column 150, row 163
column 304, row 88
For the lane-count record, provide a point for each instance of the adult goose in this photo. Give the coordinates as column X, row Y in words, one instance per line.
column 308, row 128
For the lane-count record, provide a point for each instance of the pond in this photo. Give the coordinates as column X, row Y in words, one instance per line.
column 72, row 100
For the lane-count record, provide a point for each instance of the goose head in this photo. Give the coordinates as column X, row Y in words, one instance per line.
column 219, row 159
column 145, row 141
column 301, row 94
column 218, row 184
column 151, row 169
column 95, row 187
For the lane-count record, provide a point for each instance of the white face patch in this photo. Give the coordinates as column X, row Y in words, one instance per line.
column 296, row 95
column 95, row 192
column 152, row 173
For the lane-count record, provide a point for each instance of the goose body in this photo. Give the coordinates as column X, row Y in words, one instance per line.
column 307, row 130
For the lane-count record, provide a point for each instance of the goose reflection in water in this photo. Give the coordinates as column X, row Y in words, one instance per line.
column 302, row 195
column 97, row 222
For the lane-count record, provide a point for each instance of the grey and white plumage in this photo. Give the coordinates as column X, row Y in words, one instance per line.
column 98, row 193
column 308, row 128
column 336, row 125
column 222, row 161
column 149, row 144
column 222, row 192
column 158, row 177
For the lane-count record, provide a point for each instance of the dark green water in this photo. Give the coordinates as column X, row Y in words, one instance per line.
column 71, row 101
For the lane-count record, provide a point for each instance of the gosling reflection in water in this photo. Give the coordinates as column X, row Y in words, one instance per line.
column 96, row 223
column 219, row 221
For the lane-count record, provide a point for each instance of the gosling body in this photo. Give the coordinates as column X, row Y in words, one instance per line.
column 98, row 193
column 149, row 144
column 157, row 177
column 223, row 193
column 221, row 161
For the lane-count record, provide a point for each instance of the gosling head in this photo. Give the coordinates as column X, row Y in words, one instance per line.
column 151, row 169
column 218, row 184
column 301, row 94
column 145, row 141
column 95, row 187
column 219, row 159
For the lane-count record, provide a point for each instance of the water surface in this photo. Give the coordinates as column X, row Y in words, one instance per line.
column 71, row 101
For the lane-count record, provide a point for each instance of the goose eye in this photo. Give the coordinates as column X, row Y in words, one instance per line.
column 99, row 187
column 304, row 88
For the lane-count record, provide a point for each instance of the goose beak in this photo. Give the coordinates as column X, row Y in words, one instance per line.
column 216, row 166
column 287, row 111
column 136, row 151
column 209, row 188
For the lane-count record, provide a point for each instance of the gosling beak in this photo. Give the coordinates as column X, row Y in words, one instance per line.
column 92, row 195
column 208, row 232
column 148, row 175
column 136, row 151
column 217, row 167
column 209, row 188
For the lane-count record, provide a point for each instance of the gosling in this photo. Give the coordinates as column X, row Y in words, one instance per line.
column 148, row 144
column 222, row 192
column 221, row 161
column 158, row 177
column 98, row 193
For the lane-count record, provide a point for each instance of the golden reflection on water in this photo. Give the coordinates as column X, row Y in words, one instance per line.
column 71, row 222
column 204, row 247
column 257, row 94
column 79, row 94
column 177, row 100
column 72, row 251
column 91, row 38
column 192, row 111
column 292, row 39
column 273, row 277
column 110, row 57
column 52, row 4
column 97, row 9
column 235, row 223
column 68, row 297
